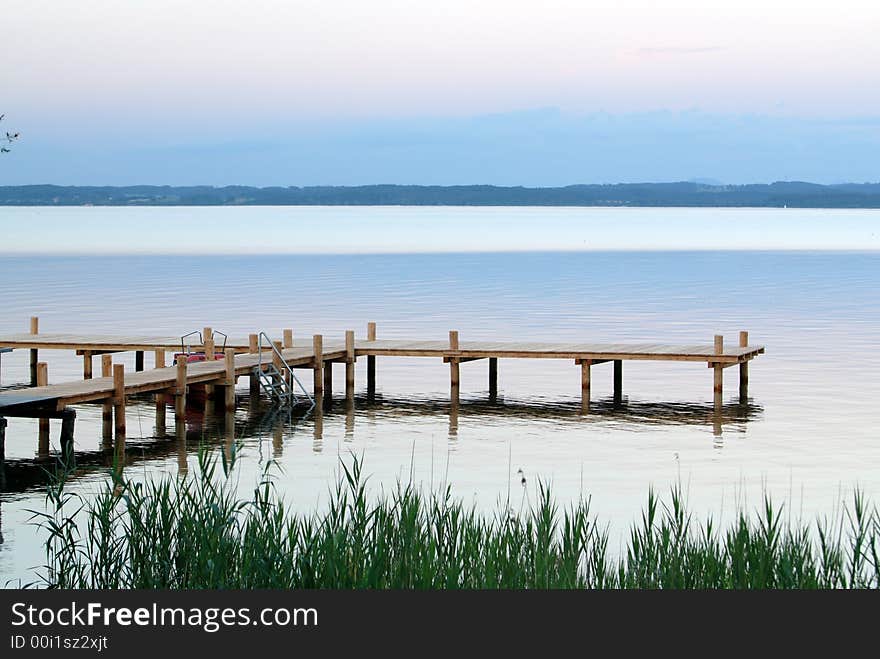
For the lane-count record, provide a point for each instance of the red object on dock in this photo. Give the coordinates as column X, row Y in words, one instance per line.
column 197, row 356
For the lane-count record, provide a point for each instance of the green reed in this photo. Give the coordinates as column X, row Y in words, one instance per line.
column 198, row 532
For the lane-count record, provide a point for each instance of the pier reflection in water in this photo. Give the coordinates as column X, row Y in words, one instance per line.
column 258, row 421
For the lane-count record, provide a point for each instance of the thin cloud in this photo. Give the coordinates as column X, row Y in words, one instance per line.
column 673, row 50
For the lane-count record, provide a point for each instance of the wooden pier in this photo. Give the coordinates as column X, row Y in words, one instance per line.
column 243, row 357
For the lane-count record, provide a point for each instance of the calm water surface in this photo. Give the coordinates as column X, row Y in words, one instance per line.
column 808, row 434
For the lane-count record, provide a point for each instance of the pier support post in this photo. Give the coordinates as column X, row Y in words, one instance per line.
column 229, row 390
column 119, row 409
column 138, row 360
column 349, row 365
column 328, row 382
column 2, row 453
column 618, row 382
column 107, row 407
column 277, row 362
column 586, row 365
column 743, row 371
column 287, row 342
column 35, row 354
column 493, row 378
column 43, row 438
column 371, row 362
column 180, row 390
column 67, row 422
column 718, row 385
column 318, row 348
column 208, row 338
column 454, row 367
column 159, row 362
column 254, row 348
column 87, row 365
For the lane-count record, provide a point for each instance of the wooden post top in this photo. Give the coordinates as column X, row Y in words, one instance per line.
column 371, row 331
column 106, row 366
column 719, row 344
column 318, row 344
column 230, row 365
column 743, row 339
column 35, row 325
column 288, row 338
column 453, row 339
column 42, row 374
column 349, row 344
column 253, row 343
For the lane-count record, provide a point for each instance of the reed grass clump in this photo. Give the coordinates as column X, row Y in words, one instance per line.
column 196, row 532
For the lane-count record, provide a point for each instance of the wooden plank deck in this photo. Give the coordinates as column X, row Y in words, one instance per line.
column 100, row 343
column 157, row 379
column 579, row 351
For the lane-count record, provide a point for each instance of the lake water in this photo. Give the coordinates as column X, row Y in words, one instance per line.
column 808, row 434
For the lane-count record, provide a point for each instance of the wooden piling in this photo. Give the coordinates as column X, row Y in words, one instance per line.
column 87, row 365
column 254, row 348
column 454, row 366
column 586, row 365
column 350, row 361
column 208, row 338
column 35, row 354
column 2, row 453
column 159, row 362
column 68, row 419
column 328, row 381
column 107, row 408
column 493, row 378
column 42, row 381
column 277, row 362
column 180, row 389
column 318, row 348
column 119, row 406
column 229, row 392
column 618, row 382
column 287, row 342
column 743, row 371
column 138, row 360
column 371, row 362
column 718, row 386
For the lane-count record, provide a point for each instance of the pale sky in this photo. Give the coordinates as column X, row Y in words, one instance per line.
column 215, row 91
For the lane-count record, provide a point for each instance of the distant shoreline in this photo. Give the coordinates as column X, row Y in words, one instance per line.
column 626, row 195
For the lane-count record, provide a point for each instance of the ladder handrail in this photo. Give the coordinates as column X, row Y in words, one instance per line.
column 286, row 367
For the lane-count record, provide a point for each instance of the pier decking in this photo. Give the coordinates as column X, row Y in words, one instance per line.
column 249, row 357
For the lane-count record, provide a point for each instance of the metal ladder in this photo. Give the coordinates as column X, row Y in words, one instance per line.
column 283, row 390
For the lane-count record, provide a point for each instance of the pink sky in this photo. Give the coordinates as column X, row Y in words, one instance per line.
column 262, row 58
